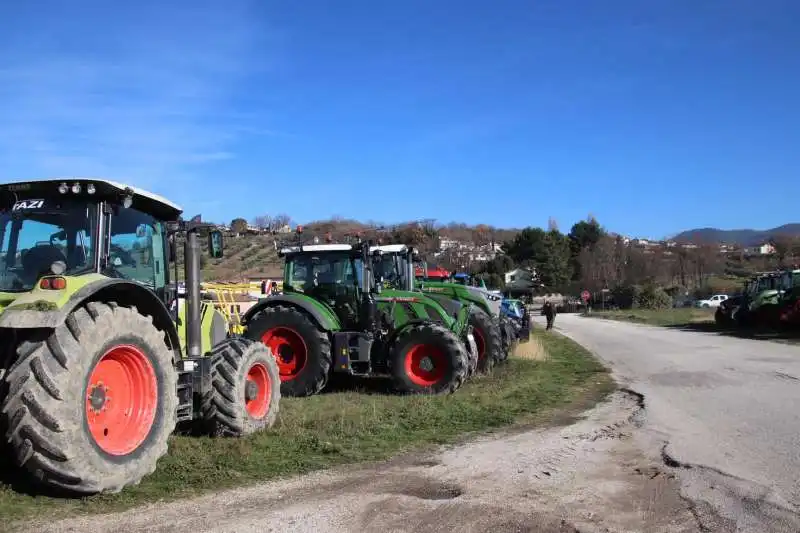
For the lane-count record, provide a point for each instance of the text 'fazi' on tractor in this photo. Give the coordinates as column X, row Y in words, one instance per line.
column 96, row 371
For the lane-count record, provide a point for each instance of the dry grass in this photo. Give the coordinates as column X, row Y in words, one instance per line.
column 532, row 350
column 659, row 317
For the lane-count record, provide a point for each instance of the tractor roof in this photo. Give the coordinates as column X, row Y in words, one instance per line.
column 316, row 248
column 330, row 247
column 390, row 248
column 145, row 201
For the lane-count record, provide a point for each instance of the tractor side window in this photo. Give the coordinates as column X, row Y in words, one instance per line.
column 136, row 251
column 299, row 274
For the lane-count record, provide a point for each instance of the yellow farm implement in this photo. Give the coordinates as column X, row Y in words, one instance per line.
column 228, row 299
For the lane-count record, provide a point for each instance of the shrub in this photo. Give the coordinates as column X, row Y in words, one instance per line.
column 653, row 297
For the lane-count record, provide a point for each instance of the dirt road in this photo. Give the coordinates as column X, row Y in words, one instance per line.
column 727, row 409
column 590, row 476
column 633, row 464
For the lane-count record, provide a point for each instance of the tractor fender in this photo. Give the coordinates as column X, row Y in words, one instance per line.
column 396, row 333
column 325, row 318
column 23, row 314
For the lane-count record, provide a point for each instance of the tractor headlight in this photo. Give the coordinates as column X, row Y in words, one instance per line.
column 76, row 189
column 63, row 188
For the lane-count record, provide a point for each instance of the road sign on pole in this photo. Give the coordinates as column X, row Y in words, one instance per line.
column 585, row 296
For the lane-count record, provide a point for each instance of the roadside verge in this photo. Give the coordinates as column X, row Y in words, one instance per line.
column 549, row 381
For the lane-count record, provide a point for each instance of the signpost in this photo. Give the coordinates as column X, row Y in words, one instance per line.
column 585, row 295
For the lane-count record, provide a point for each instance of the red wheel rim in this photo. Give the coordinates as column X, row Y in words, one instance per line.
column 425, row 365
column 480, row 342
column 121, row 400
column 289, row 350
column 257, row 404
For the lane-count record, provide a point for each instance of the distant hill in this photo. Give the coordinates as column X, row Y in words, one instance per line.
column 742, row 237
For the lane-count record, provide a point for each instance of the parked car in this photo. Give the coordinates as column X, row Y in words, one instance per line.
column 714, row 301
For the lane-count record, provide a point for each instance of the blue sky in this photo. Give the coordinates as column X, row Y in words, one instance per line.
column 655, row 116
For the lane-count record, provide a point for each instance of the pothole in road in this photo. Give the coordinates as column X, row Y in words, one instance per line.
column 426, row 489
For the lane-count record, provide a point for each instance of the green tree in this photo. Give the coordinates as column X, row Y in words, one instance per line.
column 584, row 234
column 527, row 247
column 554, row 268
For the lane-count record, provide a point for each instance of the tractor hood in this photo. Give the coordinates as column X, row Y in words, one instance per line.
column 482, row 298
column 493, row 301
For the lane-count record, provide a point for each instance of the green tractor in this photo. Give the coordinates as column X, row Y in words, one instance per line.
column 335, row 316
column 494, row 334
column 96, row 371
column 761, row 294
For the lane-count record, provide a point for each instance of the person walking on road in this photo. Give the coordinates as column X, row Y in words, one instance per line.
column 549, row 312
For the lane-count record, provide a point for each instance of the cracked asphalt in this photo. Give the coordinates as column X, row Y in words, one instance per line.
column 702, row 437
column 726, row 409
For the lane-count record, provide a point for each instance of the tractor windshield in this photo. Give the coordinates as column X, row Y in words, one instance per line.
column 307, row 271
column 392, row 267
column 35, row 233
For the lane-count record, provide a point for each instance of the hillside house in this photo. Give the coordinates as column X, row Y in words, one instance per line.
column 762, row 249
column 520, row 281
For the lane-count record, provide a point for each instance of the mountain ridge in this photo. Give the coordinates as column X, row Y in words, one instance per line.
column 741, row 237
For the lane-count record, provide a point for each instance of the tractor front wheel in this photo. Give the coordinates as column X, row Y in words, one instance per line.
column 510, row 339
column 488, row 338
column 245, row 388
column 90, row 408
column 301, row 348
column 428, row 359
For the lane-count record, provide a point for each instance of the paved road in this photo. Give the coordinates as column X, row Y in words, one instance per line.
column 728, row 409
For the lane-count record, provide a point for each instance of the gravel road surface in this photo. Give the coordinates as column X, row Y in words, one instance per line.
column 706, row 439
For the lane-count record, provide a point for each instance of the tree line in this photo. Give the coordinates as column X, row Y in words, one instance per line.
column 587, row 257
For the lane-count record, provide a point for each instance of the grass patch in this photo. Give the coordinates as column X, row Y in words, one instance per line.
column 659, row 317
column 347, row 427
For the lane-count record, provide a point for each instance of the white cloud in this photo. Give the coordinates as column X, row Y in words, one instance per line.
column 140, row 96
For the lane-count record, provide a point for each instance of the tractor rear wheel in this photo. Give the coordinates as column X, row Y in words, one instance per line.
column 488, row 338
column 428, row 359
column 301, row 348
column 245, row 388
column 90, row 408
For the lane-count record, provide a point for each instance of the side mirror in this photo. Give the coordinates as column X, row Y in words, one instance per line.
column 215, row 244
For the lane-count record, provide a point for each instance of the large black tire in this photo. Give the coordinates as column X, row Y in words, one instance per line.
column 488, row 338
column 506, row 336
column 288, row 332
column 245, row 389
column 510, row 339
column 428, row 341
column 62, row 389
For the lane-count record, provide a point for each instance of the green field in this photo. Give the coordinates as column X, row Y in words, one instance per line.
column 353, row 426
column 659, row 317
